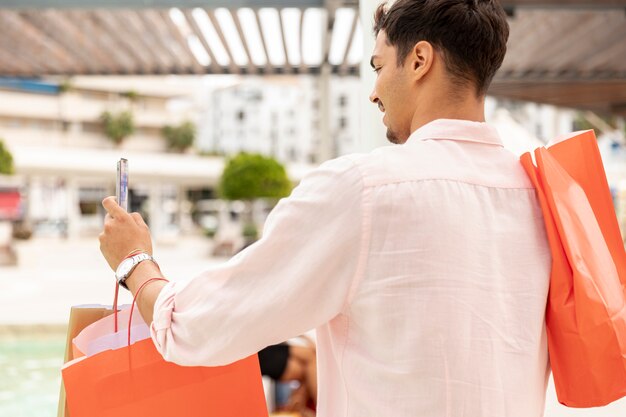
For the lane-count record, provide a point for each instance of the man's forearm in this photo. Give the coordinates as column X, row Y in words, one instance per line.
column 145, row 302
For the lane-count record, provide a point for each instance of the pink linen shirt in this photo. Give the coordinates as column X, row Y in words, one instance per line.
column 423, row 266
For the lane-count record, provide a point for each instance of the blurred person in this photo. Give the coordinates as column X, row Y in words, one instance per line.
column 293, row 362
column 424, row 266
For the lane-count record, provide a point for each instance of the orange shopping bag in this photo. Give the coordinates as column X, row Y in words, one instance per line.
column 586, row 312
column 80, row 317
column 117, row 378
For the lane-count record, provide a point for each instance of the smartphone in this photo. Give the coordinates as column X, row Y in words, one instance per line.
column 121, row 185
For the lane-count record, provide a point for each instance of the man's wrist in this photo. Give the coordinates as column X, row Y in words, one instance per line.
column 129, row 264
column 142, row 272
column 135, row 252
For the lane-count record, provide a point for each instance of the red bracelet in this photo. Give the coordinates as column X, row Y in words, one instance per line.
column 135, row 252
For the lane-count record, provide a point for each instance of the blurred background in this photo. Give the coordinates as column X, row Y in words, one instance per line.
column 183, row 88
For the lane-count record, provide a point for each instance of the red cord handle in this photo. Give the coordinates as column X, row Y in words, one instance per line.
column 132, row 307
column 117, row 288
column 117, row 292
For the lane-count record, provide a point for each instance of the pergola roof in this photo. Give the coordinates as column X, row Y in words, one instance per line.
column 570, row 53
column 567, row 56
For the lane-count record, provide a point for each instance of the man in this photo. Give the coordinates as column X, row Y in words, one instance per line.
column 424, row 266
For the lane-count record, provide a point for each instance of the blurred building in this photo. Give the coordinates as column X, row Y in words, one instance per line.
column 282, row 117
column 65, row 163
column 345, row 109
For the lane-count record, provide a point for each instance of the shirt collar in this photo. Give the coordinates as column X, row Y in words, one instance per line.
column 462, row 130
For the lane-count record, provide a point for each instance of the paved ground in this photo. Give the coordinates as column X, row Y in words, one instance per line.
column 53, row 275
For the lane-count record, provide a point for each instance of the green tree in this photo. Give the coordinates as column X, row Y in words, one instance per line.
column 6, row 160
column 181, row 137
column 117, row 126
column 250, row 176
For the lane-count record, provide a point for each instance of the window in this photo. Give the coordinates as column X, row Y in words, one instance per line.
column 148, row 131
column 89, row 200
column 91, row 127
column 343, row 101
column 241, row 115
column 94, row 95
column 343, row 123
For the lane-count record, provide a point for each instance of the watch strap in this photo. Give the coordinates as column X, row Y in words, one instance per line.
column 137, row 259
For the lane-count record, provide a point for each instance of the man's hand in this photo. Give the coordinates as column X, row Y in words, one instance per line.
column 123, row 233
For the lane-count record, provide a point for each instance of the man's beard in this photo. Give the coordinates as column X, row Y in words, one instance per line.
column 393, row 137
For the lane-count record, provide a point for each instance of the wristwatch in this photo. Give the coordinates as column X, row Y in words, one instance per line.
column 128, row 265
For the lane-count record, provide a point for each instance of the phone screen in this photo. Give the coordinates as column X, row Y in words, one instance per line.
column 121, row 189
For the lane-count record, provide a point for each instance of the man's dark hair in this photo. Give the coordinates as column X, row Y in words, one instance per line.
column 471, row 35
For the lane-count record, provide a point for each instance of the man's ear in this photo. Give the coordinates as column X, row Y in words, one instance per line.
column 421, row 58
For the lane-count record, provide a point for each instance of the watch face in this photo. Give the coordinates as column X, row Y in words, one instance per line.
column 124, row 268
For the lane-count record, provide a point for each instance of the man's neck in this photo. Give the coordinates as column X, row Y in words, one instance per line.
column 472, row 109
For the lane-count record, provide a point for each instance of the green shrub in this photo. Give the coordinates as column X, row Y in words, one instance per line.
column 250, row 176
column 117, row 127
column 250, row 232
column 181, row 137
column 132, row 95
column 65, row 86
column 6, row 160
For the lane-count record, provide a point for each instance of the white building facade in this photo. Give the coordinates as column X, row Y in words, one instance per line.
column 65, row 164
column 281, row 117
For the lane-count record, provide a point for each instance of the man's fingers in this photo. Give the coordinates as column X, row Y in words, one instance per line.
column 111, row 206
column 138, row 219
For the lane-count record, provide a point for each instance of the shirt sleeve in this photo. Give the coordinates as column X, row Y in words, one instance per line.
column 298, row 276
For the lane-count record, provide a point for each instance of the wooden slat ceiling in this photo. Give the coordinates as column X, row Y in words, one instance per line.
column 570, row 53
column 36, row 42
column 568, row 57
